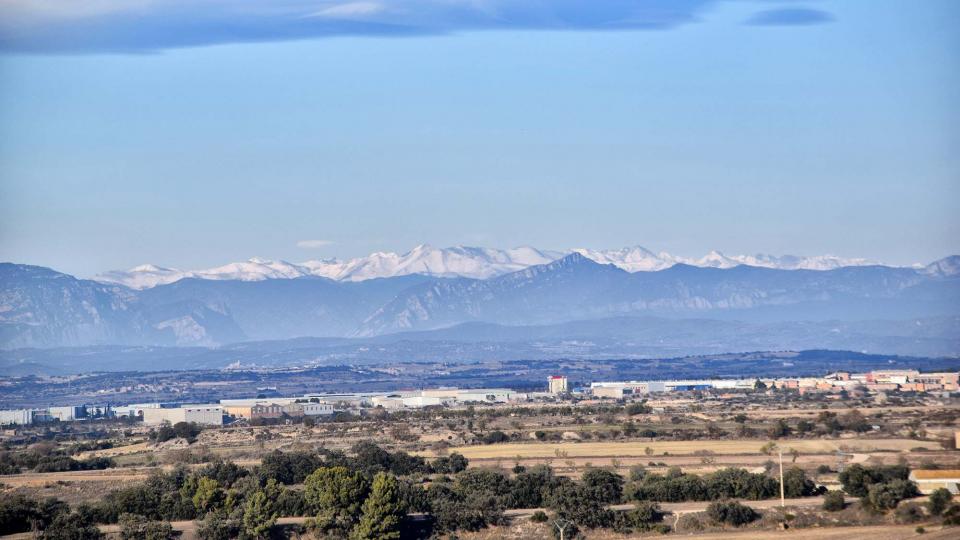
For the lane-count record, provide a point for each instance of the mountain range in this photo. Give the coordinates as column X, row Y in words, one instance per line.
column 459, row 261
column 43, row 308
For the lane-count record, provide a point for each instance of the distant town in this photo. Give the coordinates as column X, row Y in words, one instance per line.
column 837, row 384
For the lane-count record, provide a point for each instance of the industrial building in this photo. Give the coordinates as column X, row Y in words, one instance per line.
column 874, row 381
column 929, row 481
column 68, row 413
column 557, row 384
column 275, row 408
column 22, row 417
column 206, row 415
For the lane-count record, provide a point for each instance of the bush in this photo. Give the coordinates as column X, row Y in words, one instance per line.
column 731, row 513
column 637, row 473
column 19, row 513
column 495, row 437
column 909, row 513
column 71, row 527
column 951, row 516
column 539, row 517
column 644, row 515
column 833, row 501
column 939, row 501
column 691, row 523
column 134, row 527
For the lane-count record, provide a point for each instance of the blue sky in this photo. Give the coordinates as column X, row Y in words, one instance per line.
column 191, row 134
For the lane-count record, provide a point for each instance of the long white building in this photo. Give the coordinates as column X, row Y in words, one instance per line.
column 205, row 415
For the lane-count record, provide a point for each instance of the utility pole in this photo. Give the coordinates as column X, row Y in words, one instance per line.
column 561, row 525
column 783, row 502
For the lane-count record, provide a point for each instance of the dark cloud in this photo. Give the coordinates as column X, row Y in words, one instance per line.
column 69, row 26
column 790, row 17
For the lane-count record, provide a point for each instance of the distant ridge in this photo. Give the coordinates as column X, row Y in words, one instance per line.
column 460, row 261
column 40, row 307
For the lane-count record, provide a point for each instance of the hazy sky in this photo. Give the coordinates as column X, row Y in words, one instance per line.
column 191, row 134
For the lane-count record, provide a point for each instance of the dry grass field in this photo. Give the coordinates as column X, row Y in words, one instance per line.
column 619, row 449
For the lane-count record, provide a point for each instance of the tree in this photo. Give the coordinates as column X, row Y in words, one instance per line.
column 208, row 495
column 336, row 496
column 289, row 467
column 578, row 504
column 224, row 472
column 886, row 496
column 383, row 511
column 258, row 515
column 219, row 526
column 856, row 479
column 939, row 501
column 796, row 483
column 606, row 486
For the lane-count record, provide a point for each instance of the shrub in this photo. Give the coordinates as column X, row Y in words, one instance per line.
column 939, row 501
column 134, row 527
column 909, row 513
column 951, row 516
column 833, row 501
column 644, row 515
column 539, row 517
column 72, row 527
column 731, row 513
column 495, row 437
column 691, row 523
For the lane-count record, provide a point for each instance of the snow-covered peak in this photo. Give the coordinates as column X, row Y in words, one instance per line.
column 460, row 261
column 631, row 259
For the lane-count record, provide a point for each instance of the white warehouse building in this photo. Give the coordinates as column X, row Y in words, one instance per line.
column 23, row 417
column 206, row 415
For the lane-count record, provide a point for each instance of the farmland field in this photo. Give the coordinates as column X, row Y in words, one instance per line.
column 639, row 448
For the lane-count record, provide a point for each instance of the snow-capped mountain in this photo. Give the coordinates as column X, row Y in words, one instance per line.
column 460, row 261
column 149, row 275
column 40, row 307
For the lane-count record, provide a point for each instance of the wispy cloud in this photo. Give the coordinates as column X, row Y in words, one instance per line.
column 790, row 17
column 74, row 26
column 314, row 244
column 138, row 26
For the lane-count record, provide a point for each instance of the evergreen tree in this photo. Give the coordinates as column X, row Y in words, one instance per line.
column 382, row 511
column 208, row 495
column 336, row 496
column 258, row 515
